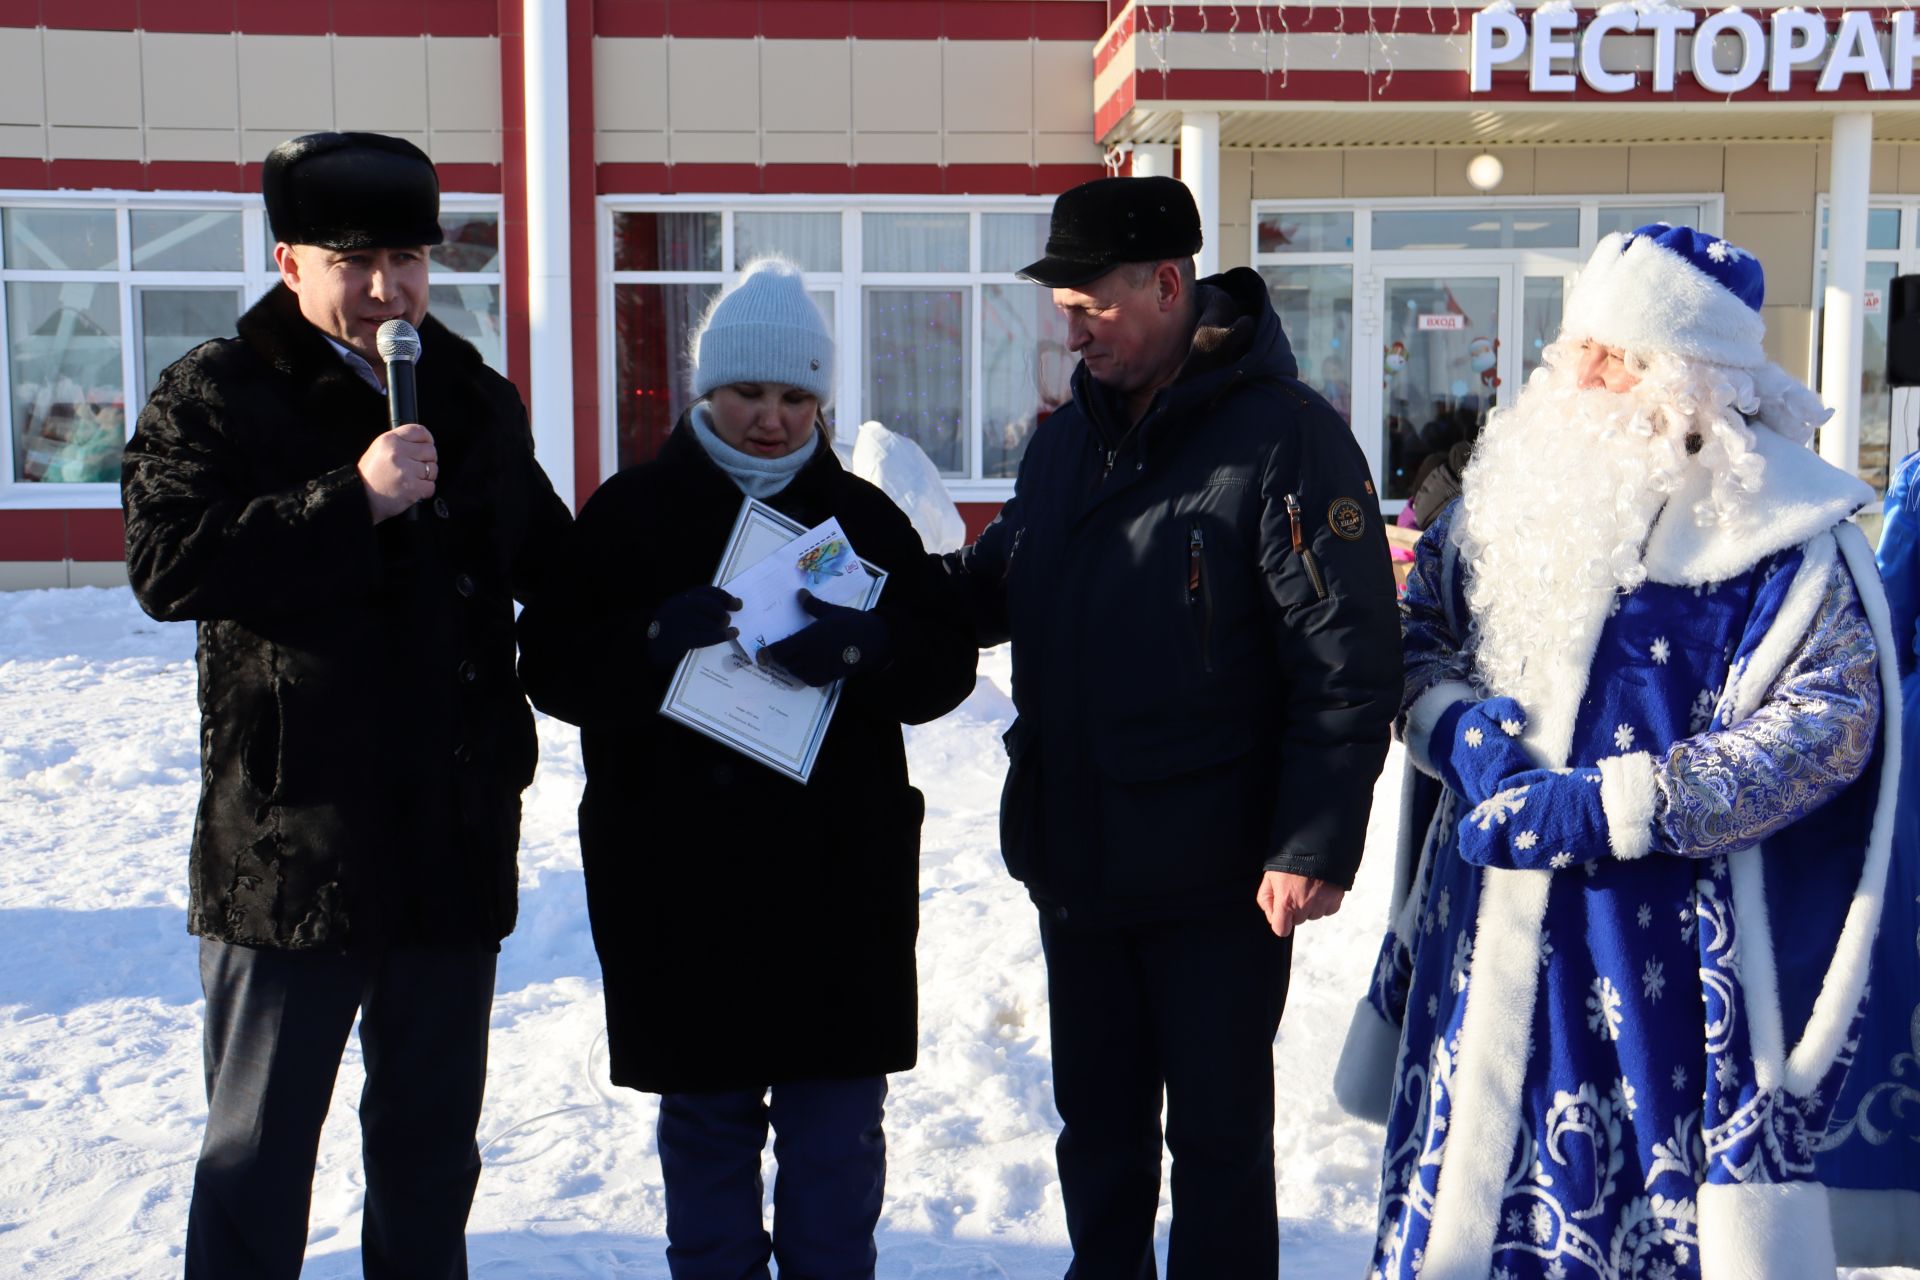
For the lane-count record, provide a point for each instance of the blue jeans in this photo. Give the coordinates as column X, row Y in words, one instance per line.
column 826, row 1197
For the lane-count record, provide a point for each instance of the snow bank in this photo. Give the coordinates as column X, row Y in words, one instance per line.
column 101, row 1101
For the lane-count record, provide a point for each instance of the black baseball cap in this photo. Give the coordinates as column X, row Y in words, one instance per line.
column 1101, row 224
column 352, row 191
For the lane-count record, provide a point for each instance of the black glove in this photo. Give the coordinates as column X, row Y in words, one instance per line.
column 691, row 620
column 843, row 642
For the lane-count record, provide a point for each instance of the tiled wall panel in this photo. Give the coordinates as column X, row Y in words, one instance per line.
column 873, row 100
column 227, row 97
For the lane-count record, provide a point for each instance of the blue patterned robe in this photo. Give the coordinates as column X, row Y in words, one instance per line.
column 1899, row 559
column 1669, row 1065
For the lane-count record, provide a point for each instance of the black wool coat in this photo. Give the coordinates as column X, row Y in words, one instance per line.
column 1203, row 693
column 750, row 929
column 363, row 739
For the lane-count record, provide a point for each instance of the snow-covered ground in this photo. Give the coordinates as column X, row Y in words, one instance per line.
column 101, row 1101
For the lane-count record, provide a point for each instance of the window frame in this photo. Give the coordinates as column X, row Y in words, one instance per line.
column 253, row 278
column 1905, row 257
column 848, row 286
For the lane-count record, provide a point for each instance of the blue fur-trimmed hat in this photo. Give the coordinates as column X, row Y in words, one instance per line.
column 1662, row 288
column 765, row 329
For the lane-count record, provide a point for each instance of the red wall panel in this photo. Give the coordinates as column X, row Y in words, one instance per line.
column 96, row 535
column 33, row 535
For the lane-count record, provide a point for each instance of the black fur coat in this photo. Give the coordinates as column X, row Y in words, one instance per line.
column 363, row 737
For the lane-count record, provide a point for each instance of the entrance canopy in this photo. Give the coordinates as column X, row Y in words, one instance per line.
column 1279, row 125
column 1394, row 75
column 1274, row 77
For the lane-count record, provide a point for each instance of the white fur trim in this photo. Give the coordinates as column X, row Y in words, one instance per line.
column 1363, row 1080
column 1759, row 969
column 1424, row 714
column 1846, row 979
column 1875, row 1228
column 1648, row 299
column 1765, row 1231
column 1549, row 734
column 1801, row 495
column 1496, row 1035
column 1789, row 630
column 1627, row 796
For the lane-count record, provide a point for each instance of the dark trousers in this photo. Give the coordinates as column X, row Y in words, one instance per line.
column 832, row 1156
column 1189, row 1010
column 277, row 1022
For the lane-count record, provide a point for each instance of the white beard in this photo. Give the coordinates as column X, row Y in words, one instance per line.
column 1556, row 507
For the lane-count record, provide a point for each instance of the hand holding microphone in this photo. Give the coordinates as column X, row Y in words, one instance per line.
column 399, row 468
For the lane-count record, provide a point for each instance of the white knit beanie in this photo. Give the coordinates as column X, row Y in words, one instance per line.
column 765, row 329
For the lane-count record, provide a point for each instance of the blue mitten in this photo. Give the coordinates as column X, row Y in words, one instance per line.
column 1476, row 745
column 1538, row 818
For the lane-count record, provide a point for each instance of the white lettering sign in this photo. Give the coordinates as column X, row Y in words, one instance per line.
column 1727, row 52
column 1443, row 322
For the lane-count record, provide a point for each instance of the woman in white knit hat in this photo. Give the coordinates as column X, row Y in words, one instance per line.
column 756, row 935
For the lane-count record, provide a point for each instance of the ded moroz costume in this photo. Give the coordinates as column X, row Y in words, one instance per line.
column 1647, row 1003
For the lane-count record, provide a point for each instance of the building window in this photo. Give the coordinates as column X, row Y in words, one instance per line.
column 99, row 294
column 937, row 339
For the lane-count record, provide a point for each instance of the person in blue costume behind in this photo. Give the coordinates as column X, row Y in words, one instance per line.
column 1900, row 571
column 1648, row 1004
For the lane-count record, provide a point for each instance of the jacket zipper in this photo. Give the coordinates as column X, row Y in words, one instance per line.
column 1301, row 549
column 1198, row 596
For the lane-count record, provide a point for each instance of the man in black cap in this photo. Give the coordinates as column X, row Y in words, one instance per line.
column 1206, row 664
column 364, row 740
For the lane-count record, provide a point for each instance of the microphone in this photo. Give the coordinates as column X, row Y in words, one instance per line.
column 399, row 346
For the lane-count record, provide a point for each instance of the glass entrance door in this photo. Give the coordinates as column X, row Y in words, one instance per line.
column 1452, row 346
column 1443, row 360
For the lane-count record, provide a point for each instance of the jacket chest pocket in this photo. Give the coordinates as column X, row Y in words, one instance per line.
column 1199, row 593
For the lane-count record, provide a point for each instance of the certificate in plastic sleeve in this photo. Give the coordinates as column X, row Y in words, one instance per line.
column 758, row 711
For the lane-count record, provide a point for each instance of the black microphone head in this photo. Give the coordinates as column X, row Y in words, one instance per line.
column 398, row 340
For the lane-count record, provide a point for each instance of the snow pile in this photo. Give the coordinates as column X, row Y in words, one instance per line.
column 901, row 469
column 101, row 1101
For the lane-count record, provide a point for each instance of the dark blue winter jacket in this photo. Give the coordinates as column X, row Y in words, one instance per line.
column 1206, row 650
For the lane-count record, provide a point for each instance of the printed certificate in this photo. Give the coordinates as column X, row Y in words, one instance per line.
column 720, row 691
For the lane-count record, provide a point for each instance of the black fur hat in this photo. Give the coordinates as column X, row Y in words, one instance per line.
column 1100, row 224
column 352, row 191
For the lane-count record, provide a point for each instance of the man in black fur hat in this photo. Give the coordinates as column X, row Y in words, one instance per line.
column 364, row 741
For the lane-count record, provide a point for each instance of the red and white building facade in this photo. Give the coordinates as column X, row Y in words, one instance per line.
column 609, row 164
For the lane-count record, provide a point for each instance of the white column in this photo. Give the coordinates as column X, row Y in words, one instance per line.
column 1153, row 160
column 1842, row 334
column 1200, row 170
column 549, row 244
